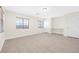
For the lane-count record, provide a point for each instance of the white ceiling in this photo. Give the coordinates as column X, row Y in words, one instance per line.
column 52, row 11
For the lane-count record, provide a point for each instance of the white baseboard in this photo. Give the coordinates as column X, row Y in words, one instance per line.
column 58, row 31
column 17, row 36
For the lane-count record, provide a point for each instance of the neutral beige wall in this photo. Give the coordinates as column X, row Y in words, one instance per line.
column 12, row 32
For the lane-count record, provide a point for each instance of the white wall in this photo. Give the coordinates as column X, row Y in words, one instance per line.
column 58, row 22
column 72, row 25
column 58, row 25
column 12, row 32
column 68, row 25
column 48, row 28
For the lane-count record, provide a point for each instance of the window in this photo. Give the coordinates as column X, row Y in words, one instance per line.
column 1, row 20
column 22, row 23
column 41, row 24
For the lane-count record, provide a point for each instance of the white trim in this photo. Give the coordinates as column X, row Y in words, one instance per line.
column 17, row 36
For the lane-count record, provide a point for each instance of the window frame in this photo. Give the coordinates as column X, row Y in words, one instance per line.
column 23, row 25
column 40, row 25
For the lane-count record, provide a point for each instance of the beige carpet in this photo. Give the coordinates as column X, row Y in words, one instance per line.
column 41, row 43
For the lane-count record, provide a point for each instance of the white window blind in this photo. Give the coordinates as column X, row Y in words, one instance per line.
column 41, row 23
column 22, row 23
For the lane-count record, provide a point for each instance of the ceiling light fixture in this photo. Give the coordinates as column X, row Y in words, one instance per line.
column 44, row 9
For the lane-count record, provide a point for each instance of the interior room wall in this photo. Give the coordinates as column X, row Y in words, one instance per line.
column 72, row 25
column 12, row 32
column 57, row 25
column 68, row 25
column 48, row 28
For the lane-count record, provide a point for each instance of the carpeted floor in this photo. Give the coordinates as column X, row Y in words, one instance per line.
column 41, row 43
